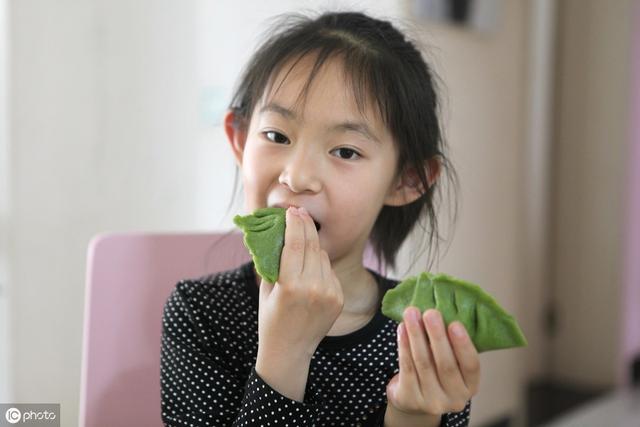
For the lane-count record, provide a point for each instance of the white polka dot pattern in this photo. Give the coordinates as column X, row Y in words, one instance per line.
column 208, row 354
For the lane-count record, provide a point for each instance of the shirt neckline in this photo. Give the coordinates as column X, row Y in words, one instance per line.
column 363, row 334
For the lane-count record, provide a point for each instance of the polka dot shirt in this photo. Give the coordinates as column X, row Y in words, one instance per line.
column 209, row 349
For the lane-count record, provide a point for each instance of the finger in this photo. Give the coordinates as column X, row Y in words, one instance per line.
column 329, row 275
column 408, row 379
column 421, row 353
column 265, row 290
column 467, row 356
column 292, row 257
column 325, row 267
column 311, row 265
column 330, row 278
column 446, row 364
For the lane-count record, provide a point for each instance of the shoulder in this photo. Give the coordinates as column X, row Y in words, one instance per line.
column 209, row 315
column 213, row 308
column 207, row 292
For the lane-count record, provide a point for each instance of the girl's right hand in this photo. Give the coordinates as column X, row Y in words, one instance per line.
column 297, row 311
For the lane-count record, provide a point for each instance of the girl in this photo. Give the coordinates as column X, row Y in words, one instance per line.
column 335, row 120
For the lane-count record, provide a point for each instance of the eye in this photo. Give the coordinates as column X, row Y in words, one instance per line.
column 278, row 138
column 348, row 152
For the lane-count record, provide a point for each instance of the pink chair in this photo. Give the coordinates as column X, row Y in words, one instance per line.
column 129, row 278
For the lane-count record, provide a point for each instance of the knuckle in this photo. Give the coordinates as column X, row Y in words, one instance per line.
column 407, row 366
column 422, row 363
column 406, row 363
column 314, row 295
column 474, row 367
column 288, row 291
column 312, row 245
column 319, row 295
column 449, row 369
column 295, row 245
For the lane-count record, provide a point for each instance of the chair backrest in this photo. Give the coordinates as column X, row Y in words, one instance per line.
column 129, row 278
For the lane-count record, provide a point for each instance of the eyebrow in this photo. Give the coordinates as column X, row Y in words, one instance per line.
column 359, row 127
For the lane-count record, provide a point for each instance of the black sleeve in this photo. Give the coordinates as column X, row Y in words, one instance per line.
column 450, row 419
column 202, row 382
column 457, row 419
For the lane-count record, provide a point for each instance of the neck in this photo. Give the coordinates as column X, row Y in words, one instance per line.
column 359, row 287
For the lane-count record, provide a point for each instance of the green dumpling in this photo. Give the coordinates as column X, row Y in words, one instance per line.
column 264, row 237
column 489, row 326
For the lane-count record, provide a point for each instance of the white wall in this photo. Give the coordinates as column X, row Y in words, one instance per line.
column 104, row 137
column 486, row 77
column 115, row 109
column 590, row 191
column 5, row 380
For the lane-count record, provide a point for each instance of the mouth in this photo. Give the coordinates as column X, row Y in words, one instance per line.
column 286, row 206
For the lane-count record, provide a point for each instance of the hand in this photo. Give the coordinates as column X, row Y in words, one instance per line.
column 439, row 371
column 298, row 310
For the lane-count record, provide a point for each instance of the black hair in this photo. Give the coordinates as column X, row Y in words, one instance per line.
column 384, row 67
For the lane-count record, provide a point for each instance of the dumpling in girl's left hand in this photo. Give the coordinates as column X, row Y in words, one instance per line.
column 489, row 326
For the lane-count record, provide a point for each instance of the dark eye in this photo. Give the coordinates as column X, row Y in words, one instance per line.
column 277, row 137
column 347, row 153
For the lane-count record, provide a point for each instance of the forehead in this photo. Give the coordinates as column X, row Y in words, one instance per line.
column 330, row 92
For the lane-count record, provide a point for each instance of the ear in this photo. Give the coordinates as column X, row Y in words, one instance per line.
column 236, row 136
column 408, row 188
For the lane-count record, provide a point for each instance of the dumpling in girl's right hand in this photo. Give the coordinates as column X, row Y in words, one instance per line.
column 264, row 237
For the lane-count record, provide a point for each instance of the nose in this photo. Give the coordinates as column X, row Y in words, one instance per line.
column 301, row 171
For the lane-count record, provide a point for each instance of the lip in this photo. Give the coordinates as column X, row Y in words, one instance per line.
column 287, row 205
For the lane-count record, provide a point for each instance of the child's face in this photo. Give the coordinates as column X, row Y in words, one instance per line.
column 341, row 177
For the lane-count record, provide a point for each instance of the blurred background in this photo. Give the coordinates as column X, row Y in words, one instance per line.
column 110, row 120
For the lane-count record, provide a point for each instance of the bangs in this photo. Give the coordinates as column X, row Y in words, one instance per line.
column 358, row 73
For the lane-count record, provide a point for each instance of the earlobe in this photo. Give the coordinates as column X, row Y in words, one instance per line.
column 408, row 188
column 236, row 136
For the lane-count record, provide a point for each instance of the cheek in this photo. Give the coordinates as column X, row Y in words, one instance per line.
column 361, row 200
column 365, row 188
column 254, row 169
column 356, row 204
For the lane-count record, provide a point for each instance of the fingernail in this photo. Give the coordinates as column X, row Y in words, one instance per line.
column 414, row 315
column 400, row 332
column 433, row 317
column 457, row 330
column 302, row 210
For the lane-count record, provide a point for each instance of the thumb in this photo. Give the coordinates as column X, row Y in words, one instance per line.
column 392, row 388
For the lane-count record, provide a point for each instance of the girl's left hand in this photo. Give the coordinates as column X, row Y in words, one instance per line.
column 439, row 370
